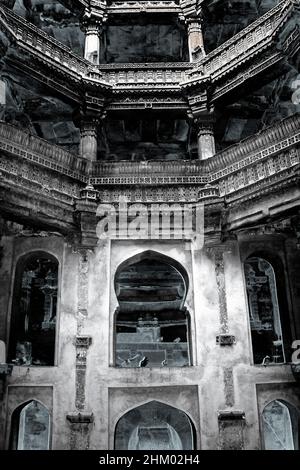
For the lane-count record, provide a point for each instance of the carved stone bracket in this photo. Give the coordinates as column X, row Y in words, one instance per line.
column 80, row 418
column 225, row 340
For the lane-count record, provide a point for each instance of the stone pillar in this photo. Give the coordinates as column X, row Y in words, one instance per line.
column 195, row 39
column 92, row 43
column 206, row 139
column 88, row 139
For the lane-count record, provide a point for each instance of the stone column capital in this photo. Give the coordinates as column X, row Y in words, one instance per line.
column 89, row 126
column 204, row 123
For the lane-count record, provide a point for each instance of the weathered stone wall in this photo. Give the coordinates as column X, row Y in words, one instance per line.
column 219, row 392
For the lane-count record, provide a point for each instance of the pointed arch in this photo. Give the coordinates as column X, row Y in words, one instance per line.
column 269, row 324
column 280, row 426
column 30, row 427
column 155, row 256
column 155, row 426
column 34, row 309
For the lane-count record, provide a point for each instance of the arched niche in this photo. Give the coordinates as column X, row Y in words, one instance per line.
column 151, row 323
column 34, row 308
column 155, row 426
column 30, row 427
column 280, row 426
column 266, row 302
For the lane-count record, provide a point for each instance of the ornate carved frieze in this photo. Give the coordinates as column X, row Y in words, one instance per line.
column 144, row 6
column 50, row 184
column 148, row 76
column 17, row 142
column 155, row 102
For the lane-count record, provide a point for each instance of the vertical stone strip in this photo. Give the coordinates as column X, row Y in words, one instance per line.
column 82, row 345
column 229, row 386
column 82, row 306
column 220, row 276
column 82, row 342
column 81, row 420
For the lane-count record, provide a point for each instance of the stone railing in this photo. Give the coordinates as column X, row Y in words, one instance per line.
column 268, row 138
column 148, row 168
column 252, row 39
column 136, row 75
column 39, row 42
column 257, row 157
column 29, row 147
column 254, row 151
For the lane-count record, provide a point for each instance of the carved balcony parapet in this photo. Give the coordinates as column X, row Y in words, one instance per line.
column 37, row 42
column 146, row 75
column 244, row 46
column 274, row 138
column 20, row 143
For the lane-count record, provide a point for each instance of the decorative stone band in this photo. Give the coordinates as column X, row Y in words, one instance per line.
column 148, row 6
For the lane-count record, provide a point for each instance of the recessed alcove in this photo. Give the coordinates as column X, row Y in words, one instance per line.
column 151, row 323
